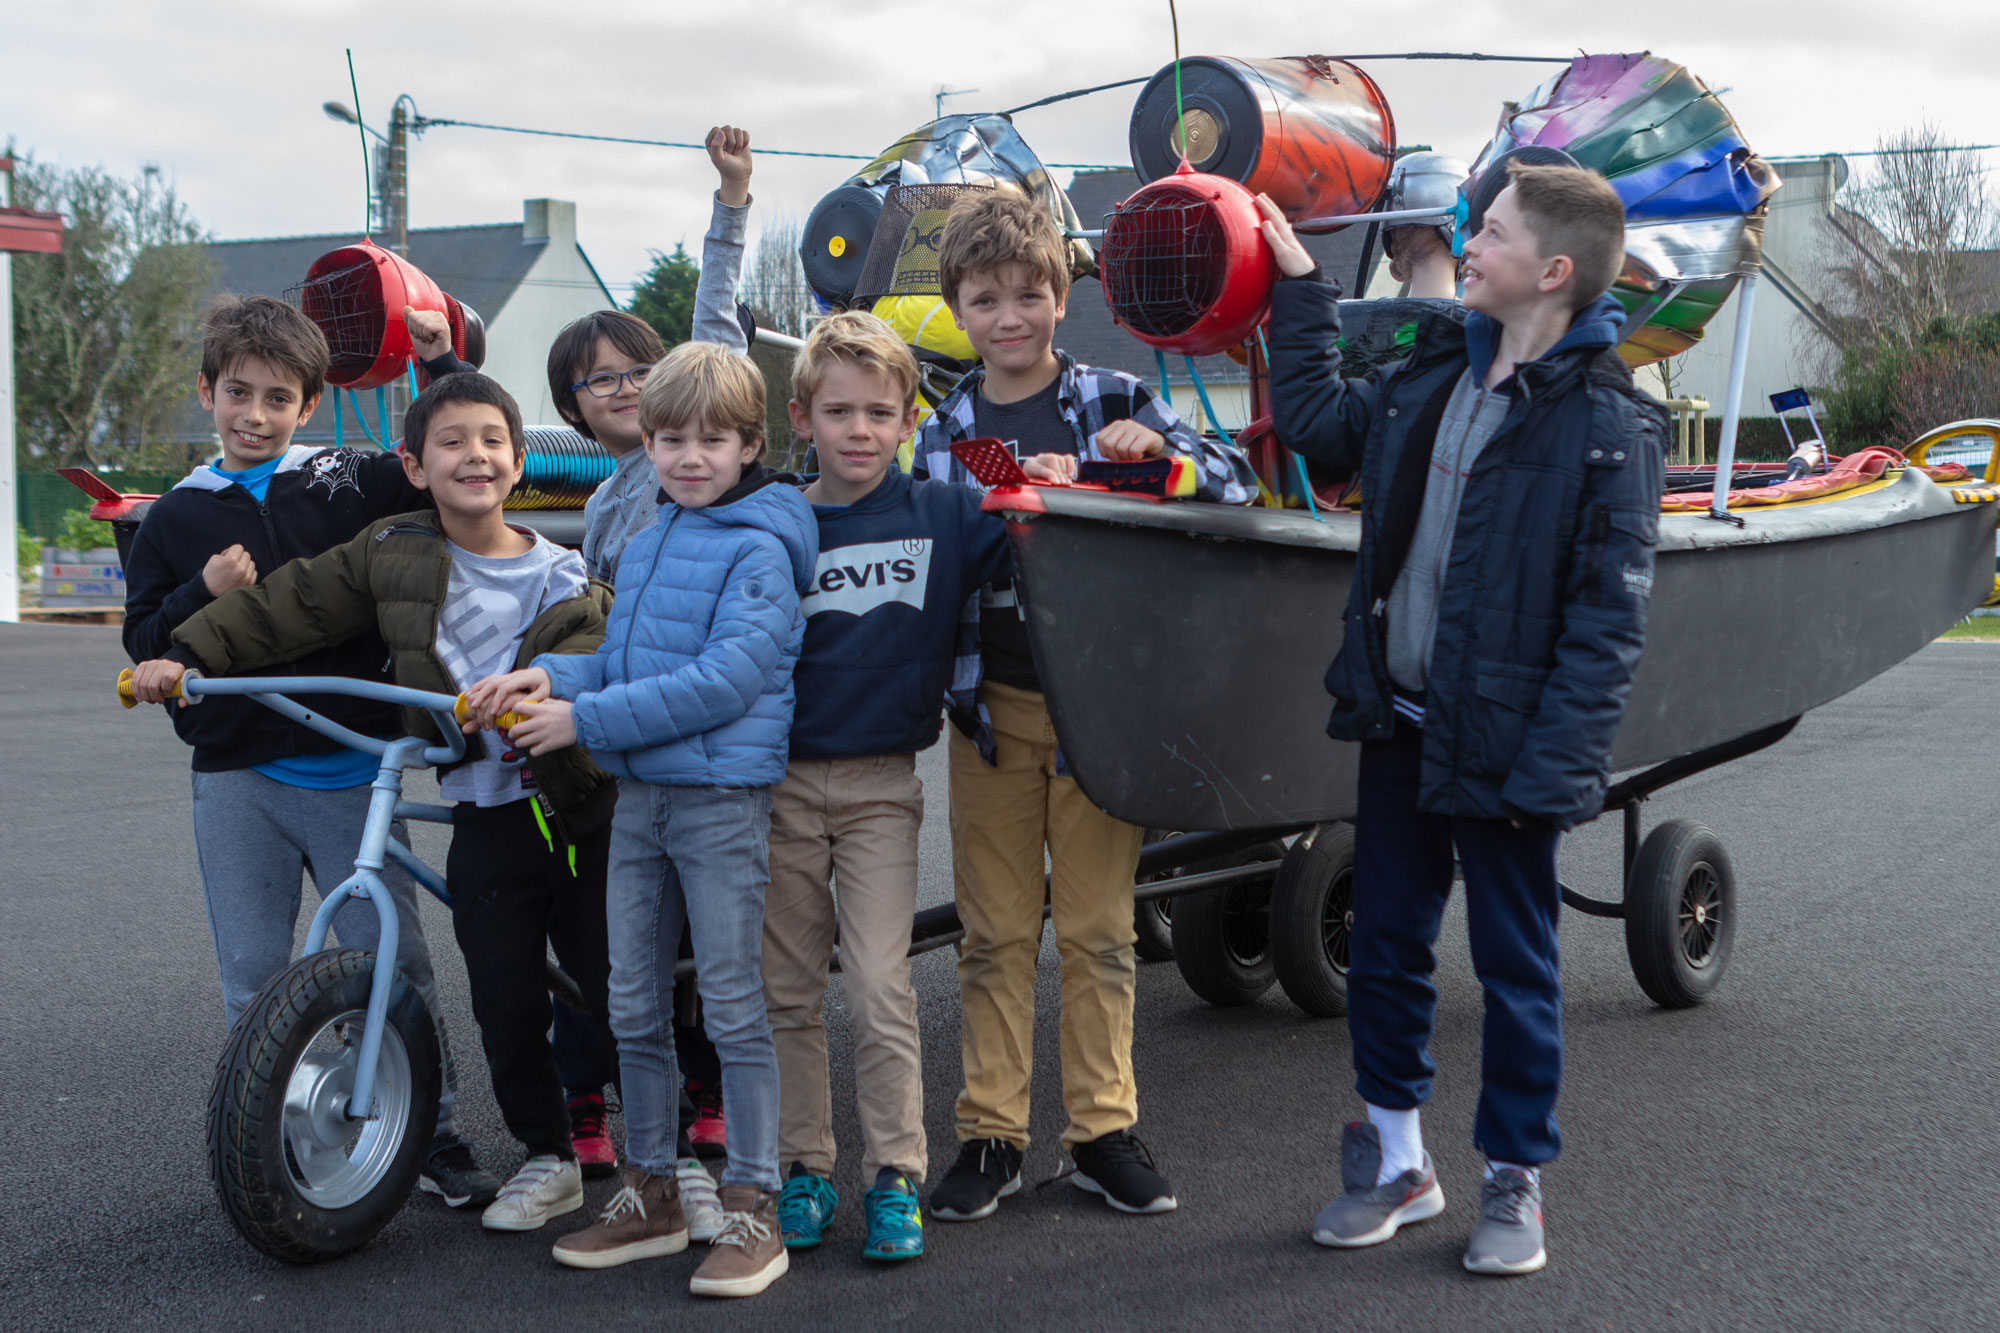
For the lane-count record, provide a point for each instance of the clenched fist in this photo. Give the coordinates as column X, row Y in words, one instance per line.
column 430, row 332
column 231, row 568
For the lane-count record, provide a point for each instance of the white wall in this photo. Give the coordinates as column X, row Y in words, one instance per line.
column 1783, row 345
column 559, row 288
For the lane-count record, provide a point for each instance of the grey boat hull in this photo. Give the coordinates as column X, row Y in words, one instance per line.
column 1182, row 646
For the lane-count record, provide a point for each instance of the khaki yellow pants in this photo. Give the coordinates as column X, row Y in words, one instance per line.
column 844, row 855
column 1002, row 816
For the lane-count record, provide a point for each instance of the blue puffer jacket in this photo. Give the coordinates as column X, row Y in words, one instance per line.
column 1543, row 614
column 692, row 686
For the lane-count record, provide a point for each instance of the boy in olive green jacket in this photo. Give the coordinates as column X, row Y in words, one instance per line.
column 460, row 595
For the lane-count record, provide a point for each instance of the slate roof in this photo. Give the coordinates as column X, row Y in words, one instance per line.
column 481, row 266
column 1087, row 332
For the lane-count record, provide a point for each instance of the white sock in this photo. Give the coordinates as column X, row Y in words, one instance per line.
column 1402, row 1141
column 1533, row 1173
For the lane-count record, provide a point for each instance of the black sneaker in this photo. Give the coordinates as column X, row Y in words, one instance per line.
column 451, row 1172
column 987, row 1170
column 1120, row 1168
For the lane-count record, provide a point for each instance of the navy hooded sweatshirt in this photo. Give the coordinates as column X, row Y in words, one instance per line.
column 896, row 570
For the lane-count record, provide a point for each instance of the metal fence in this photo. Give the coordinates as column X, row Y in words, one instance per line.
column 42, row 498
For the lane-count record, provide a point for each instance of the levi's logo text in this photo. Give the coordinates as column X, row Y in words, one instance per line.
column 857, row 579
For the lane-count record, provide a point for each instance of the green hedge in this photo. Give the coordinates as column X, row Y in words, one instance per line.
column 42, row 498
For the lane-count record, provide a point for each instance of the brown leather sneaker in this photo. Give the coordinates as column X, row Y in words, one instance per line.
column 749, row 1255
column 642, row 1221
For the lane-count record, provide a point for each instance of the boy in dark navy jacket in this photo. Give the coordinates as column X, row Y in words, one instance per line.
column 898, row 561
column 1510, row 479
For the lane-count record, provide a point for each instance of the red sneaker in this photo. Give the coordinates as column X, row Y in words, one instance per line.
column 594, row 1154
column 706, row 1134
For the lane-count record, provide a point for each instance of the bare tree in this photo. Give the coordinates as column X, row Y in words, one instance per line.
column 775, row 286
column 1901, row 240
column 105, row 332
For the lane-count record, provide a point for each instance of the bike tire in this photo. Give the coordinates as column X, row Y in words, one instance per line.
column 277, row 1066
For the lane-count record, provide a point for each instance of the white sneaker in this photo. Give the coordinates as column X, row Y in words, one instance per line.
column 543, row 1188
column 700, row 1204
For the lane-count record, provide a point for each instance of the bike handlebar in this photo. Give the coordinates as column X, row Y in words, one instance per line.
column 195, row 686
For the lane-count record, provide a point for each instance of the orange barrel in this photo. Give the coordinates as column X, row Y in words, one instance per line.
column 1312, row 132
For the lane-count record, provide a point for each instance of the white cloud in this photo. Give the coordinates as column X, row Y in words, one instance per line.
column 225, row 96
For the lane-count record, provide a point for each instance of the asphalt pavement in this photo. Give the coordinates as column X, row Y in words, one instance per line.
column 1813, row 1149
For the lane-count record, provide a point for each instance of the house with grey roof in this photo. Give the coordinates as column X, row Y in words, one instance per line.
column 526, row 279
column 1088, row 334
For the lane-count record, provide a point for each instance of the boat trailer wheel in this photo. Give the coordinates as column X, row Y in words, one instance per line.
column 1222, row 937
column 1153, row 919
column 1312, row 919
column 1680, row 913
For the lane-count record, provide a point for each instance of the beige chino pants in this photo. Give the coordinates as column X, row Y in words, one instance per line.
column 844, row 855
column 1002, row 815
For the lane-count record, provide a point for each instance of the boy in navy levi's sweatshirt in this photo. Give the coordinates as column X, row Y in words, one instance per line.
column 898, row 561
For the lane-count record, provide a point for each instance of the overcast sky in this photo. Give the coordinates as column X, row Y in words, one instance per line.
column 225, row 96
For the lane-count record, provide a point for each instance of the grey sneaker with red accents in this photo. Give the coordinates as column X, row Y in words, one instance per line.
column 1508, row 1240
column 1367, row 1213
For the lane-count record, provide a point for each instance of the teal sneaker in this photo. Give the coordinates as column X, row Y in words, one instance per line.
column 895, row 1221
column 805, row 1207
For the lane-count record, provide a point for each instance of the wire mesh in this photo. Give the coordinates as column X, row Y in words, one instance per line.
column 347, row 306
column 903, row 252
column 1162, row 261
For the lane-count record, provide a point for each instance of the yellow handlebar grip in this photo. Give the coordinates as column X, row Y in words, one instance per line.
column 505, row 722
column 127, row 699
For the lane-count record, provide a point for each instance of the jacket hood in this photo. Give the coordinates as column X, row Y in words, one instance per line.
column 1596, row 325
column 206, row 478
column 761, row 500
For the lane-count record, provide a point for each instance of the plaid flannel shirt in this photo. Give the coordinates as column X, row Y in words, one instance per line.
column 1089, row 398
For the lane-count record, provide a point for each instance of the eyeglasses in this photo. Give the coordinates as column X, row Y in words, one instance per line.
column 606, row 383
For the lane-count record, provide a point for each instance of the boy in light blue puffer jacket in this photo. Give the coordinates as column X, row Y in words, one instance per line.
column 690, row 697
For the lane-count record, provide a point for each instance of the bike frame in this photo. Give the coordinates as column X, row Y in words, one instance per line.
column 378, row 846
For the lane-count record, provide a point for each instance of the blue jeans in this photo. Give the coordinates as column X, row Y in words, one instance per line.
column 1402, row 877
column 699, row 854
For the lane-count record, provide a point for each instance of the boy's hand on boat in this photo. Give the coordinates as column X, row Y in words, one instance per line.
column 729, row 149
column 156, row 681
column 1127, row 441
column 1293, row 261
column 489, row 698
column 548, row 725
column 430, row 332
column 228, row 568
column 1054, row 469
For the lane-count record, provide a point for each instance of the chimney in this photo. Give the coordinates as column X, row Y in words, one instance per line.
column 544, row 220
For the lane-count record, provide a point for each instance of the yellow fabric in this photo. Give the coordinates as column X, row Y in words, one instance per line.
column 926, row 322
column 1002, row 816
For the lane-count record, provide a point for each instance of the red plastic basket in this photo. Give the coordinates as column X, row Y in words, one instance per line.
column 1184, row 264
column 356, row 295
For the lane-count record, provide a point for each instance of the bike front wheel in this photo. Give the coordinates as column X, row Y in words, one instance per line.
column 300, row 1180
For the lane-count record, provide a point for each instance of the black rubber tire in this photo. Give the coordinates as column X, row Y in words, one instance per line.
column 1222, row 937
column 1680, row 913
column 1152, row 921
column 247, row 1155
column 1312, row 919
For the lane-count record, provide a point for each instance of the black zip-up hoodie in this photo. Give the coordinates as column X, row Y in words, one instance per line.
column 317, row 499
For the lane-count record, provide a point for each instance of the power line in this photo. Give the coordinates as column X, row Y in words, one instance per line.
column 429, row 122
column 1891, row 152
column 1403, row 55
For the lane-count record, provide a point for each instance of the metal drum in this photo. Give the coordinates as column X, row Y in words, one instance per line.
column 1312, row 132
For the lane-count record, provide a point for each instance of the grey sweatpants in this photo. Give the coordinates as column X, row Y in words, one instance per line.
column 254, row 837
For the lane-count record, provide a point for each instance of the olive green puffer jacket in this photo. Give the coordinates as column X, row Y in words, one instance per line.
column 393, row 577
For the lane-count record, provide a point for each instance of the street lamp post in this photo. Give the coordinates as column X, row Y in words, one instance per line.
column 390, row 205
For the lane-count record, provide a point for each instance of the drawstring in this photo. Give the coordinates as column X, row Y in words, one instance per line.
column 548, row 836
